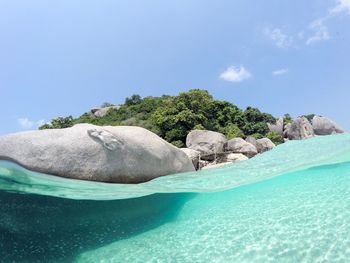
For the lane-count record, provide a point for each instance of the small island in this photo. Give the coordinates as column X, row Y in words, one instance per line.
column 106, row 144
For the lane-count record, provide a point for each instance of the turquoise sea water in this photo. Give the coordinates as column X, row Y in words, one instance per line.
column 288, row 205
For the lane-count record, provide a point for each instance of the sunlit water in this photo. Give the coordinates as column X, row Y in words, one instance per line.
column 289, row 205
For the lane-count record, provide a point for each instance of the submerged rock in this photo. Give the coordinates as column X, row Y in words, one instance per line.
column 207, row 142
column 120, row 154
column 238, row 145
column 325, row 126
column 300, row 129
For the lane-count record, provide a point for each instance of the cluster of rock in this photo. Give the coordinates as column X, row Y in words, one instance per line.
column 209, row 149
column 301, row 128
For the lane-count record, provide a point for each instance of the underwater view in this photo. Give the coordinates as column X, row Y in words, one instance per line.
column 291, row 204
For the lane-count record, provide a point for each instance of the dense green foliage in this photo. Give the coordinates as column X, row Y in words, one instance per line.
column 309, row 116
column 172, row 117
column 287, row 118
column 59, row 123
column 275, row 137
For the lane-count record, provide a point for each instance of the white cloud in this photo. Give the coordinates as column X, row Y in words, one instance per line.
column 235, row 74
column 320, row 32
column 319, row 27
column 316, row 32
column 281, row 39
column 280, row 71
column 26, row 123
column 342, row 6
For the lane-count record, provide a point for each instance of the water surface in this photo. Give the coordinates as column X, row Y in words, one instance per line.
column 288, row 205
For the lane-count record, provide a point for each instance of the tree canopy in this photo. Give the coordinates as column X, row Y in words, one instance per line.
column 173, row 117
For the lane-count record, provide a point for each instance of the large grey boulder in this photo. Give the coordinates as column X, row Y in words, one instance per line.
column 238, row 145
column 193, row 155
column 120, row 154
column 277, row 127
column 101, row 112
column 300, row 129
column 207, row 142
column 325, row 126
column 264, row 145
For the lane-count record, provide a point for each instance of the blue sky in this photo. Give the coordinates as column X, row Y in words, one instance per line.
column 60, row 58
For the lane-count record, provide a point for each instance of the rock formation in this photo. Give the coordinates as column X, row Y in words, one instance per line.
column 300, row 129
column 207, row 142
column 325, row 126
column 264, row 145
column 101, row 112
column 120, row 154
column 238, row 145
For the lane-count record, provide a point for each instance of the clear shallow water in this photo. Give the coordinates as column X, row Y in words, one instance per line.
column 301, row 216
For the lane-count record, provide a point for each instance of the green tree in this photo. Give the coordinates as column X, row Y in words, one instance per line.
column 233, row 131
column 133, row 100
column 106, row 104
column 309, row 116
column 178, row 115
column 287, row 118
column 173, row 117
column 59, row 123
column 275, row 137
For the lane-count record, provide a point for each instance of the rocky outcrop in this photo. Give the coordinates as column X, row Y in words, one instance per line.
column 206, row 142
column 300, row 129
column 120, row 154
column 238, row 145
column 325, row 126
column 264, row 145
column 101, row 112
column 277, row 127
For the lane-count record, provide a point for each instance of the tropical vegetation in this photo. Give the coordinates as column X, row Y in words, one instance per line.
column 173, row 117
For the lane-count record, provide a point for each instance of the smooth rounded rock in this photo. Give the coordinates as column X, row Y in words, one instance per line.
column 238, row 145
column 264, row 145
column 120, row 154
column 325, row 126
column 207, row 142
column 300, row 129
